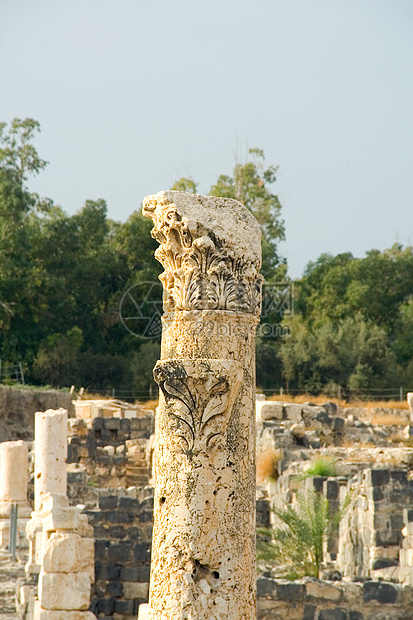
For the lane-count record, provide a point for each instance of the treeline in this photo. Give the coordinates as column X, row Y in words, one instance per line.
column 80, row 299
column 352, row 325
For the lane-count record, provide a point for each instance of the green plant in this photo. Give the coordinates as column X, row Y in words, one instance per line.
column 297, row 545
column 321, row 466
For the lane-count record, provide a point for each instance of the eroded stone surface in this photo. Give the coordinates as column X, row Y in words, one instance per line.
column 48, row 614
column 64, row 591
column 68, row 552
column 203, row 559
column 13, row 471
column 50, row 453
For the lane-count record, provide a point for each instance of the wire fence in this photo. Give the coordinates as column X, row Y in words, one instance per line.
column 129, row 396
column 342, row 393
column 14, row 374
column 11, row 373
column 371, row 394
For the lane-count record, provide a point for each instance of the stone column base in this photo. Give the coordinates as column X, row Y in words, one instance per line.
column 21, row 540
column 53, row 614
column 143, row 612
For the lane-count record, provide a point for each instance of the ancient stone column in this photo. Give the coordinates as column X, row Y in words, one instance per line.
column 50, row 454
column 13, row 471
column 13, row 487
column 203, row 553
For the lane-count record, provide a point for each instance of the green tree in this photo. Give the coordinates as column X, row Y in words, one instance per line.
column 56, row 362
column 352, row 323
column 19, row 276
column 144, row 361
column 251, row 183
column 351, row 353
column 17, row 153
column 185, row 184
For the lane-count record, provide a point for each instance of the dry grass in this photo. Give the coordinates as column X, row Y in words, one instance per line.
column 304, row 398
column 388, row 420
column 385, row 404
column 149, row 404
column 319, row 400
column 92, row 396
column 267, row 464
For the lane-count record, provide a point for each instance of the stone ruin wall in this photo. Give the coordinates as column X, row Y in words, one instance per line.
column 109, row 473
column 122, row 566
column 18, row 406
column 121, row 516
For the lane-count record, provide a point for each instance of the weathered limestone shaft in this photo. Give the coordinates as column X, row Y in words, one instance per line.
column 13, row 488
column 13, row 471
column 203, row 558
column 50, row 454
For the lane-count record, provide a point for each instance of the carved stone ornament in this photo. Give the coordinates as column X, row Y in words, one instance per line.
column 211, row 262
column 199, row 396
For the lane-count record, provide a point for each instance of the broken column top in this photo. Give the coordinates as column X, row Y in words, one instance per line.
column 210, row 248
column 52, row 412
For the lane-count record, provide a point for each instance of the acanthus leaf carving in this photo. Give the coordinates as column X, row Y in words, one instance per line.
column 199, row 395
column 199, row 272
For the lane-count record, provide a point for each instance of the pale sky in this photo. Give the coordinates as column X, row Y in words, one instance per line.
column 133, row 94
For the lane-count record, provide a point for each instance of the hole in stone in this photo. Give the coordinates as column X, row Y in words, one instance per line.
column 206, row 502
column 215, row 492
column 215, row 574
column 162, row 500
column 199, row 570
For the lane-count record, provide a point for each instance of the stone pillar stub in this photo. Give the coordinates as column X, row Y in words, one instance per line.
column 203, row 554
column 13, row 489
column 13, row 471
column 410, row 403
column 50, row 454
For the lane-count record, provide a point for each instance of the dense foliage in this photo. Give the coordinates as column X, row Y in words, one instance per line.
column 353, row 324
column 80, row 300
column 62, row 279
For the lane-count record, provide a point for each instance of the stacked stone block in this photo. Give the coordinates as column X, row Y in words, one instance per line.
column 111, row 450
column 332, row 491
column 405, row 572
column 67, row 561
column 293, row 424
column 50, row 475
column 123, row 532
column 313, row 599
column 371, row 529
column 263, row 512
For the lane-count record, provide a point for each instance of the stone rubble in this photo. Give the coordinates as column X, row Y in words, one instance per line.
column 11, row 574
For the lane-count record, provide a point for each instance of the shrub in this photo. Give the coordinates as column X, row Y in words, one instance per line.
column 267, row 464
column 321, row 466
column 297, row 545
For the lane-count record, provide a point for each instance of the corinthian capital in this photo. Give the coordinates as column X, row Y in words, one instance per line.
column 210, row 249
